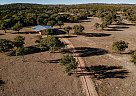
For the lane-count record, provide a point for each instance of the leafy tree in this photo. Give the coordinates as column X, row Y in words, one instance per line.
column 60, row 23
column 17, row 26
column 19, row 44
column 51, row 23
column 47, row 32
column 6, row 45
column 119, row 46
column 67, row 29
column 3, row 26
column 96, row 25
column 19, row 41
column 21, row 51
column 50, row 42
column 78, row 29
column 133, row 57
column 69, row 63
column 103, row 25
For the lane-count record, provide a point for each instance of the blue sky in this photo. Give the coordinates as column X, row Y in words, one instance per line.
column 67, row 1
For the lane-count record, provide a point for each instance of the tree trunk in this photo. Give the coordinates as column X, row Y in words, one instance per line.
column 5, row 31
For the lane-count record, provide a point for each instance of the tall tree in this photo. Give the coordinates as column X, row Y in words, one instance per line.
column 78, row 29
column 67, row 29
column 4, row 26
column 17, row 27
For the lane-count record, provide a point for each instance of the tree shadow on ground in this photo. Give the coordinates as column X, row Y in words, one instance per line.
column 85, row 51
column 59, row 32
column 125, row 24
column 103, row 72
column 129, row 52
column 117, row 28
column 112, row 29
column 1, row 34
column 70, row 36
column 28, row 32
column 95, row 34
column 53, row 61
column 2, row 82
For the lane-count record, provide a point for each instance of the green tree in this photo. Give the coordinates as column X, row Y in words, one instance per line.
column 19, row 41
column 47, row 32
column 119, row 46
column 51, row 42
column 6, row 45
column 133, row 56
column 19, row 44
column 69, row 63
column 96, row 25
column 60, row 23
column 67, row 29
column 78, row 29
column 51, row 23
column 3, row 26
column 17, row 27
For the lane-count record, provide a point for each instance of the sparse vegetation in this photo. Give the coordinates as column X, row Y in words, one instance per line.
column 113, row 19
column 67, row 29
column 17, row 26
column 134, row 57
column 69, row 63
column 47, row 32
column 119, row 46
column 51, row 42
column 78, row 29
column 6, row 45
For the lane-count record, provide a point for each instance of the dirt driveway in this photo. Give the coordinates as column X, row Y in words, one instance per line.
column 113, row 74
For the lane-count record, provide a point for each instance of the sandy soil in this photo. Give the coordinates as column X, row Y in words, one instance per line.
column 113, row 74
column 35, row 76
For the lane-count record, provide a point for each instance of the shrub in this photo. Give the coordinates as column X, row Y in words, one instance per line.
column 119, row 46
column 96, row 25
column 50, row 42
column 17, row 26
column 67, row 29
column 78, row 29
column 19, row 41
column 5, row 45
column 47, row 32
column 134, row 57
column 21, row 51
column 69, row 62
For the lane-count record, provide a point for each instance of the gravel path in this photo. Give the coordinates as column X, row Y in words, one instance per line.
column 87, row 83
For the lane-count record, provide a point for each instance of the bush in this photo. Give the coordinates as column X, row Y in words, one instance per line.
column 78, row 29
column 5, row 45
column 47, row 32
column 50, row 42
column 67, row 29
column 19, row 41
column 119, row 46
column 134, row 57
column 69, row 62
column 21, row 51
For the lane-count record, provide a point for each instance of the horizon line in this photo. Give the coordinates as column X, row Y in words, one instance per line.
column 67, row 4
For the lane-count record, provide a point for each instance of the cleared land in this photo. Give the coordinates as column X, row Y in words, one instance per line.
column 113, row 74
column 34, row 75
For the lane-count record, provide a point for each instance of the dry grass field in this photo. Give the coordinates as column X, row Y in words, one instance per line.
column 113, row 74
column 38, row 74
